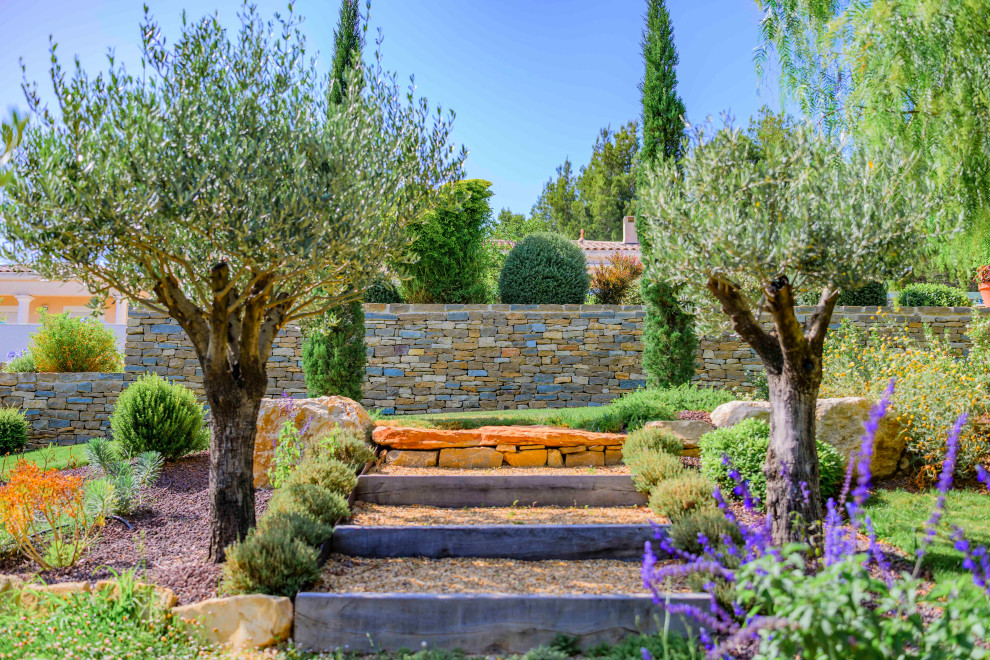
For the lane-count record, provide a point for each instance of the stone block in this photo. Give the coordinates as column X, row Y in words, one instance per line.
column 585, row 459
column 407, row 458
column 242, row 622
column 470, row 458
column 554, row 458
column 527, row 458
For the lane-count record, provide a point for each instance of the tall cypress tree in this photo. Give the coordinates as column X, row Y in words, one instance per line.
column 347, row 44
column 669, row 341
column 333, row 348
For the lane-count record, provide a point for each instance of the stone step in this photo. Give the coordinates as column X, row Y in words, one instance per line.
column 528, row 542
column 459, row 491
column 476, row 623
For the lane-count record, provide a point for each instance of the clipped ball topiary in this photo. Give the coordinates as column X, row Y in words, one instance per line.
column 675, row 498
column 325, row 506
column 155, row 414
column 301, row 526
column 13, row 430
column 649, row 469
column 328, row 473
column 544, row 269
column 270, row 560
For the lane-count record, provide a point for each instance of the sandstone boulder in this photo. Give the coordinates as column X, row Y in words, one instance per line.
column 243, row 622
column 840, row 423
column 688, row 431
column 733, row 412
column 315, row 418
column 34, row 595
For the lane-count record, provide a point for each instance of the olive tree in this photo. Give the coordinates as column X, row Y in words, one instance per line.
column 751, row 227
column 220, row 185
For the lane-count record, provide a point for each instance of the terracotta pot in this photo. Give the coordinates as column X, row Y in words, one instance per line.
column 985, row 293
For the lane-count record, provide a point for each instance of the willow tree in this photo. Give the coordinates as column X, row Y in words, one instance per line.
column 221, row 186
column 751, row 230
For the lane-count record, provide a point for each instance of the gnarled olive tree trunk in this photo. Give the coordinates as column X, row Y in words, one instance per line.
column 792, row 355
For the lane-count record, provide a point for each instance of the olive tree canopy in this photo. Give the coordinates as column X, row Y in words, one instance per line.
column 218, row 183
column 750, row 226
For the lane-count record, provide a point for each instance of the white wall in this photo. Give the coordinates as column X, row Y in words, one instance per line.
column 14, row 336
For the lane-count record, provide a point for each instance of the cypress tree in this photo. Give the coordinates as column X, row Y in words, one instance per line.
column 669, row 340
column 333, row 348
column 347, row 44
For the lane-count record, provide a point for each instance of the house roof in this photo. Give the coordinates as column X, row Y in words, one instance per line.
column 586, row 245
column 14, row 268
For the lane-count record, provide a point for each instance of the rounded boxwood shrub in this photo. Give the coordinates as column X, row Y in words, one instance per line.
column 13, row 430
column 649, row 469
column 330, row 474
column 155, row 414
column 544, row 269
column 325, row 506
column 746, row 446
column 674, row 498
column 271, row 560
column 932, row 295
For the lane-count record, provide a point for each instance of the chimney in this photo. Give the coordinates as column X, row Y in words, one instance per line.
column 629, row 230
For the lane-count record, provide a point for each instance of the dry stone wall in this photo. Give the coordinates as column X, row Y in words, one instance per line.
column 433, row 358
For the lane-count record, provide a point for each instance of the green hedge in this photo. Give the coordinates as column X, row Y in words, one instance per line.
column 933, row 295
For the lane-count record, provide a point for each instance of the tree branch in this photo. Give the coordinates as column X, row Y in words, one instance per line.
column 816, row 325
column 735, row 306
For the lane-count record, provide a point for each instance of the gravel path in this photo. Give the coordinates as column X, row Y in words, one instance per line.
column 432, row 471
column 170, row 537
column 344, row 574
column 366, row 513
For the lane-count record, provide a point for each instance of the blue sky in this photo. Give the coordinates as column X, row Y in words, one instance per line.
column 531, row 81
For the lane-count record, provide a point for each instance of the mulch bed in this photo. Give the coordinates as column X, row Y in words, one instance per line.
column 697, row 415
column 169, row 539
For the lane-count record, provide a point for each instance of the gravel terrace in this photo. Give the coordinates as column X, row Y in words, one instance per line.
column 170, row 536
column 366, row 513
column 343, row 574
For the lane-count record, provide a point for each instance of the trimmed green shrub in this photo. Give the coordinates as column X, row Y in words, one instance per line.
column 649, row 440
column 633, row 410
column 301, row 526
column 932, row 295
column 325, row 506
column 649, row 469
column 871, row 294
column 449, row 247
column 334, row 355
column 20, row 363
column 155, row 414
column 271, row 561
column 675, row 498
column 746, row 446
column 544, row 269
column 13, row 430
column 330, row 474
column 68, row 345
column 683, row 532
column 348, row 447
column 384, row 289
column 670, row 345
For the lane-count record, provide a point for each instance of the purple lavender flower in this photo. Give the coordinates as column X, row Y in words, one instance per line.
column 983, row 476
column 975, row 559
column 646, row 653
column 872, row 425
column 944, row 484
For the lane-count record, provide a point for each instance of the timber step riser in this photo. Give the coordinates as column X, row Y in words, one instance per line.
column 523, row 542
column 457, row 491
column 475, row 623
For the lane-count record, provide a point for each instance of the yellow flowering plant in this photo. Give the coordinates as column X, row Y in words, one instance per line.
column 935, row 384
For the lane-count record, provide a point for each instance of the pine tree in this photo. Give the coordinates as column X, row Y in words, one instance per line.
column 347, row 44
column 669, row 340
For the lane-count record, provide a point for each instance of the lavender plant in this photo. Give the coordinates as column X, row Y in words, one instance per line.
column 840, row 598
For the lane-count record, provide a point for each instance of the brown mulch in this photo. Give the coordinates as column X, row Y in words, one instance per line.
column 698, row 415
column 169, row 539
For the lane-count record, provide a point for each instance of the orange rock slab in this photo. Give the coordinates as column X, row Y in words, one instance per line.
column 405, row 437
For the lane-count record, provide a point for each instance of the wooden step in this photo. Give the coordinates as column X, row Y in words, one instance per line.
column 457, row 491
column 476, row 623
column 530, row 542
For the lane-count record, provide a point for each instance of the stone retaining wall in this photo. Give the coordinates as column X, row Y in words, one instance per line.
column 434, row 358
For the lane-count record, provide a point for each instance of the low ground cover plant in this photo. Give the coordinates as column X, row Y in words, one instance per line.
column 128, row 476
column 741, row 450
column 156, row 414
column 935, row 384
column 839, row 598
column 19, row 362
column 65, row 344
column 13, row 430
column 932, row 295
